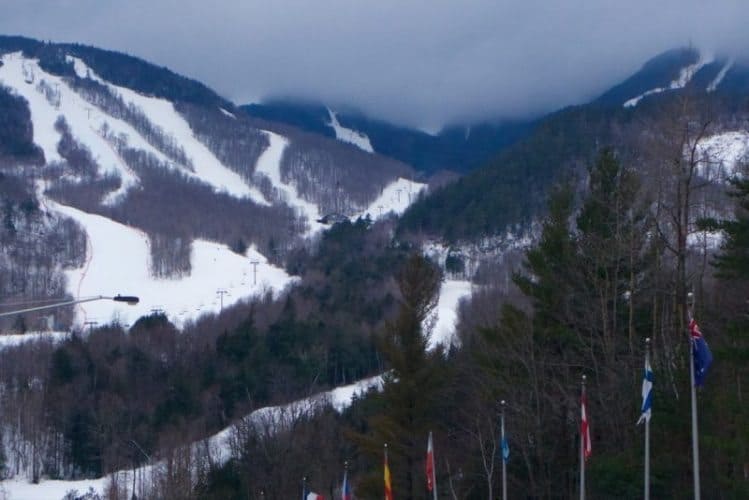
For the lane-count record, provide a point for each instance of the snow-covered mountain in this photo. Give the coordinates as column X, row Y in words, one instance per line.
column 184, row 200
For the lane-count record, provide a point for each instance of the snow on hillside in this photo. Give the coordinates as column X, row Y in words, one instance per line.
column 267, row 419
column 722, row 154
column 685, row 76
column 395, row 198
column 162, row 114
column 23, row 338
column 25, row 76
column 349, row 135
column 269, row 165
column 719, row 77
column 451, row 293
column 117, row 262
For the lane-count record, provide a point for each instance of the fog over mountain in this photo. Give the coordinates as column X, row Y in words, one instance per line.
column 423, row 63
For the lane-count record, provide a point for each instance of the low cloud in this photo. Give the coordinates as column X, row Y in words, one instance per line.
column 422, row 63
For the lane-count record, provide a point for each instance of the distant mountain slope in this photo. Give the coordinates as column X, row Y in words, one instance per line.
column 88, row 131
column 510, row 190
column 456, row 148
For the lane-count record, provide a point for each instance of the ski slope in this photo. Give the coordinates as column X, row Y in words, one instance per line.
column 446, row 312
column 117, row 262
column 269, row 165
column 349, row 135
column 161, row 113
column 395, row 198
column 685, row 76
column 267, row 419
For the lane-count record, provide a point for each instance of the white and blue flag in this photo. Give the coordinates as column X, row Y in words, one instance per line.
column 647, row 393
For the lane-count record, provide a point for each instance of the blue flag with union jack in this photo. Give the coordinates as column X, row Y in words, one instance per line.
column 701, row 355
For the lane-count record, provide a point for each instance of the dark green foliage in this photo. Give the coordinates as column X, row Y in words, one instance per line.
column 512, row 187
column 411, row 384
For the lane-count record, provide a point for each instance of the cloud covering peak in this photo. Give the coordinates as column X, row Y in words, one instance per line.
column 419, row 63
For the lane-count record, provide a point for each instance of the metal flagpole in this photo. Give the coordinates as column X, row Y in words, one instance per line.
column 504, row 462
column 647, row 430
column 582, row 445
column 695, row 441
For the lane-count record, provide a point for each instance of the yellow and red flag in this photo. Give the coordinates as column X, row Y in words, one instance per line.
column 388, row 485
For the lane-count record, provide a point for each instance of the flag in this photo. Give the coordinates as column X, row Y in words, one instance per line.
column 314, row 496
column 346, row 488
column 388, row 486
column 647, row 393
column 701, row 355
column 431, row 479
column 505, row 449
column 584, row 429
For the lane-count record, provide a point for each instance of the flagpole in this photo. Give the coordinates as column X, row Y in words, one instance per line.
column 304, row 487
column 647, row 430
column 434, row 470
column 582, row 448
column 695, row 441
column 504, row 462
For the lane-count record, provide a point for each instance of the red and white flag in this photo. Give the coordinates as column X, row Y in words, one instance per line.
column 584, row 429
column 431, row 478
column 314, row 496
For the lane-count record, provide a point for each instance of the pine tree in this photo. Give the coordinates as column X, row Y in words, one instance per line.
column 411, row 386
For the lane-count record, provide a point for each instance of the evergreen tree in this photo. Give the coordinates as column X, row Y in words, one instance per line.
column 411, row 387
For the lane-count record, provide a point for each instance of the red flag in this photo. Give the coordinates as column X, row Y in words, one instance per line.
column 431, row 479
column 584, row 429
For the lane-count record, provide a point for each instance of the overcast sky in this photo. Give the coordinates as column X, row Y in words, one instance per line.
column 420, row 63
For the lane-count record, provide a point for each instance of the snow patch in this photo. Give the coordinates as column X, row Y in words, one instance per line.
column 226, row 113
column 15, row 340
column 721, row 155
column 719, row 77
column 451, row 293
column 349, row 135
